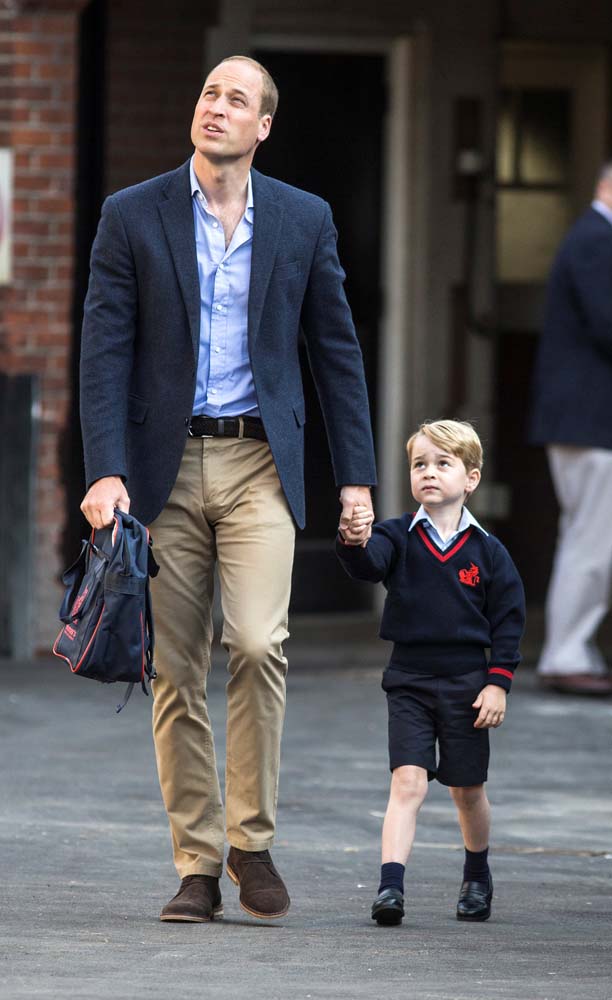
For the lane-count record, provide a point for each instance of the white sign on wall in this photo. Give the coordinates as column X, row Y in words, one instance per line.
column 6, row 201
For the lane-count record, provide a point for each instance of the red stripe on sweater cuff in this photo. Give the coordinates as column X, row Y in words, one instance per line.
column 500, row 670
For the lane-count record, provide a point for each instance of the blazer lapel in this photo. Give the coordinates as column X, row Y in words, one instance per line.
column 176, row 213
column 267, row 222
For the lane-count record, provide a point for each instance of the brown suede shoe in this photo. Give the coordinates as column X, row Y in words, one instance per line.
column 262, row 890
column 198, row 900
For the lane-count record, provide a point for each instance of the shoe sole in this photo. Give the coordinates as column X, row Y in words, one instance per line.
column 217, row 914
column 247, row 909
column 474, row 920
column 388, row 917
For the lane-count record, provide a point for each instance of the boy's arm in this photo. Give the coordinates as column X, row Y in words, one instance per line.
column 506, row 614
column 372, row 562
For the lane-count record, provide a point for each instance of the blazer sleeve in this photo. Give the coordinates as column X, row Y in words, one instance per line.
column 337, row 364
column 372, row 563
column 506, row 614
column 107, row 348
column 591, row 276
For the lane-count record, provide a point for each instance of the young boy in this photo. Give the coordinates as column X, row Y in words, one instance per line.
column 452, row 591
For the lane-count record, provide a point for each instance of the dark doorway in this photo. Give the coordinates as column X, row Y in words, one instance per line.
column 531, row 530
column 89, row 196
column 327, row 138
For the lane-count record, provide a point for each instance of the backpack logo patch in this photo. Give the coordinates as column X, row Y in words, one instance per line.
column 470, row 577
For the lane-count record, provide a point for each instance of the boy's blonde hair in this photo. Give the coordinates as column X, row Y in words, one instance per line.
column 457, row 437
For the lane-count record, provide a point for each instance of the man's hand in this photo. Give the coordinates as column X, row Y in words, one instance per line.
column 101, row 499
column 492, row 704
column 351, row 497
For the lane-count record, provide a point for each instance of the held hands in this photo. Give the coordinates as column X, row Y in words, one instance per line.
column 492, row 704
column 356, row 525
column 101, row 499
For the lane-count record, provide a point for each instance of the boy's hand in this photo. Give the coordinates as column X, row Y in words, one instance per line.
column 492, row 704
column 351, row 498
column 361, row 519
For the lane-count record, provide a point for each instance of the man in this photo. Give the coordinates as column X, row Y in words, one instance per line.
column 193, row 412
column 572, row 415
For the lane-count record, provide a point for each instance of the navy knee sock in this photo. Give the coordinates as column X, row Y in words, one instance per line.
column 392, row 876
column 476, row 866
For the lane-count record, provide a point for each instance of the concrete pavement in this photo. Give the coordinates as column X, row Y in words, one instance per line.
column 85, row 858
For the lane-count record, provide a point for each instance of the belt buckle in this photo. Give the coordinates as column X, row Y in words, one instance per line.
column 192, row 435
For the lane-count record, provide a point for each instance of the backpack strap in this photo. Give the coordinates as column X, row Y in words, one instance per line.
column 128, row 692
column 150, row 628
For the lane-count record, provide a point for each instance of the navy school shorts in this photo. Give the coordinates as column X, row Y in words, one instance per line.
column 424, row 710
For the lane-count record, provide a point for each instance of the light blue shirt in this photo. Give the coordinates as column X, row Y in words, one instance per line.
column 602, row 208
column 466, row 520
column 224, row 386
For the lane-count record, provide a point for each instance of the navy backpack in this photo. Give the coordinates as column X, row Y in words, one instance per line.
column 108, row 623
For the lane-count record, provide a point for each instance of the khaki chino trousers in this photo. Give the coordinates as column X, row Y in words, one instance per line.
column 226, row 509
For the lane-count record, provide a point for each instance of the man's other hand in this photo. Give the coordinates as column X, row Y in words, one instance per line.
column 101, row 499
column 351, row 497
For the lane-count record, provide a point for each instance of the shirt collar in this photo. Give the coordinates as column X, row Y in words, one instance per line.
column 603, row 209
column 196, row 189
column 467, row 520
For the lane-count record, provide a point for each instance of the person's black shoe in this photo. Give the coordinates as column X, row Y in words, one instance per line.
column 388, row 907
column 475, row 900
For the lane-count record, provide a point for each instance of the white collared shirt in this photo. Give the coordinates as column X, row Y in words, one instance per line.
column 224, row 386
column 465, row 521
column 602, row 208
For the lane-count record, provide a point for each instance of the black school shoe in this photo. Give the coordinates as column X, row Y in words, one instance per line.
column 475, row 900
column 388, row 908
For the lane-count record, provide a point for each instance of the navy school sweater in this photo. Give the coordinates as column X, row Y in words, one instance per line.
column 444, row 609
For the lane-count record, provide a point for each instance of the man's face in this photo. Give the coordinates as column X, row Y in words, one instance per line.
column 604, row 191
column 226, row 123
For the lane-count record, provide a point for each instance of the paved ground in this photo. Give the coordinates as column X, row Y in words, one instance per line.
column 85, row 858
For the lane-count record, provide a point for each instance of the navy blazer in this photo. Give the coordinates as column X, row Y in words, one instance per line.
column 141, row 338
column 572, row 387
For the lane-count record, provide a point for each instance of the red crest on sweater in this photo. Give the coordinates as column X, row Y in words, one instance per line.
column 470, row 576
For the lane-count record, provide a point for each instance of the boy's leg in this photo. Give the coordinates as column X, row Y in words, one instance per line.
column 412, row 759
column 408, row 790
column 464, row 758
column 474, row 813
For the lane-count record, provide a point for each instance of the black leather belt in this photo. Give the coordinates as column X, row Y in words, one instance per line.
column 228, row 427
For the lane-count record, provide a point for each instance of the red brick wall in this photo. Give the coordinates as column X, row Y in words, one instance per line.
column 37, row 109
column 154, row 74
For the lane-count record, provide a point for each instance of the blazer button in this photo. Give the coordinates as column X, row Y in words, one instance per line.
column 186, row 421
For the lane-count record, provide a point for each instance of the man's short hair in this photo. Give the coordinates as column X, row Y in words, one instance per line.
column 269, row 90
column 457, row 437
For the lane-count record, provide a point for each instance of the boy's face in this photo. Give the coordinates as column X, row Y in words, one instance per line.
column 437, row 477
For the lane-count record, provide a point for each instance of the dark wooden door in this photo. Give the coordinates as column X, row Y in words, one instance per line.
column 327, row 138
